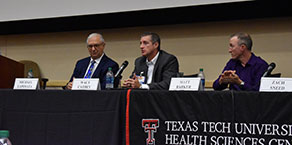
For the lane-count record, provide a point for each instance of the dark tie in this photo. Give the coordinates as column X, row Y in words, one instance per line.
column 89, row 72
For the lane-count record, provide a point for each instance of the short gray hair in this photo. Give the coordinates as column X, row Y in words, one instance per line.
column 243, row 38
column 93, row 35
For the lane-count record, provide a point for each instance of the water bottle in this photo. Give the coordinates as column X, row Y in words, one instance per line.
column 202, row 76
column 30, row 74
column 4, row 134
column 109, row 79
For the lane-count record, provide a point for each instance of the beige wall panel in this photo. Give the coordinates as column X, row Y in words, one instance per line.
column 196, row 45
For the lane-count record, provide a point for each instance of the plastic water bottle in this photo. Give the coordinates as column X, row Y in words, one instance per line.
column 109, row 79
column 30, row 74
column 202, row 76
column 4, row 134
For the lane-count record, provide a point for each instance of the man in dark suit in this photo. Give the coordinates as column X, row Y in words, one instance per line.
column 95, row 66
column 154, row 69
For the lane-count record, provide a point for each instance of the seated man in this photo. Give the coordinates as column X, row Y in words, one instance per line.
column 95, row 66
column 244, row 70
column 154, row 69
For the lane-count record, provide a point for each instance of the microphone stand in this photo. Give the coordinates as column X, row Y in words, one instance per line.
column 117, row 81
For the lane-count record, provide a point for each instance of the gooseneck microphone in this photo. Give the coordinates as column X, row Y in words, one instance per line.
column 123, row 66
column 269, row 70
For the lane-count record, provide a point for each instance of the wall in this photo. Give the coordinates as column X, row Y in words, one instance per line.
column 202, row 44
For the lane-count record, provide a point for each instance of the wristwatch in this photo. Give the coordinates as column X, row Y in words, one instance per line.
column 242, row 83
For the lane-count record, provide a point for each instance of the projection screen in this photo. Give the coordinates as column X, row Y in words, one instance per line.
column 12, row 10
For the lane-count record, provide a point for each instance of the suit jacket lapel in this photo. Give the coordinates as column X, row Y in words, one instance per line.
column 141, row 67
column 156, row 66
column 86, row 63
column 98, row 69
column 144, row 70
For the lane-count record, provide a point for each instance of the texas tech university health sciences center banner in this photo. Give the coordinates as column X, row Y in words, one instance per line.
column 209, row 118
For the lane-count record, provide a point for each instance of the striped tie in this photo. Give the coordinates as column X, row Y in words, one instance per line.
column 89, row 72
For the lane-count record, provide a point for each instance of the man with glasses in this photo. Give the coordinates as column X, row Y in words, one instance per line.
column 95, row 66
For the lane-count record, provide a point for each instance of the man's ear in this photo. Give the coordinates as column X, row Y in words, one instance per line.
column 156, row 45
column 243, row 47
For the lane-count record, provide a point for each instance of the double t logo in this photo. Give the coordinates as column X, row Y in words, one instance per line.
column 150, row 126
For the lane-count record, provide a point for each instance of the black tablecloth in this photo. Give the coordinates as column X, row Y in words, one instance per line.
column 62, row 117
column 135, row 117
column 210, row 118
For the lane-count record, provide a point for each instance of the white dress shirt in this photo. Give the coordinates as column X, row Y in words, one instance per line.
column 150, row 65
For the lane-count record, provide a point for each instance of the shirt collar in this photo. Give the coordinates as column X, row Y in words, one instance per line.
column 252, row 60
column 97, row 60
column 153, row 61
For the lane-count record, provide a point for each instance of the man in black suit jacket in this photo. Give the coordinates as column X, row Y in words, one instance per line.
column 154, row 69
column 101, row 63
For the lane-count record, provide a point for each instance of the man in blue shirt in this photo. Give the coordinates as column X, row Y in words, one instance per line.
column 244, row 70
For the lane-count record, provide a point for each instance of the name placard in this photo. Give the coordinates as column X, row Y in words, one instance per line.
column 86, row 84
column 276, row 84
column 26, row 83
column 184, row 84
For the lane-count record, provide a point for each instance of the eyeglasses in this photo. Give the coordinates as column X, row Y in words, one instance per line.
column 95, row 45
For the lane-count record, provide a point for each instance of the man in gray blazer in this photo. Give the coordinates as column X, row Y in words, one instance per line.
column 154, row 69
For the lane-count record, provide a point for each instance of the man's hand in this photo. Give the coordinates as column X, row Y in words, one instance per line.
column 132, row 82
column 229, row 77
column 69, row 86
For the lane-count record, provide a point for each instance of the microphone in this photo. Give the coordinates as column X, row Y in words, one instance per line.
column 123, row 66
column 269, row 70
